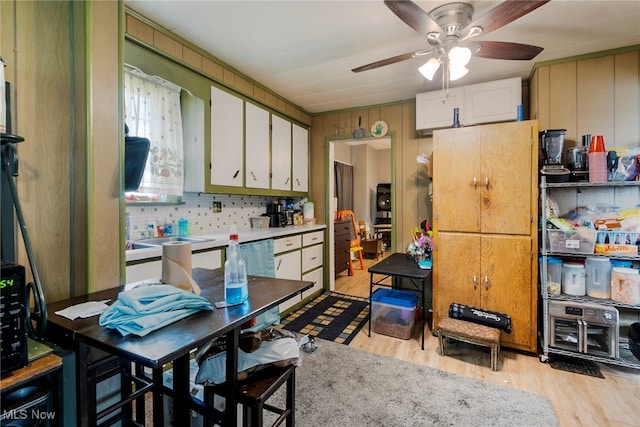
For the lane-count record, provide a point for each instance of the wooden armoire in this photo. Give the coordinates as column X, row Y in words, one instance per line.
column 485, row 209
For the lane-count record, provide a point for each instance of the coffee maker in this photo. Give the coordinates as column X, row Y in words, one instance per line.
column 552, row 146
column 276, row 214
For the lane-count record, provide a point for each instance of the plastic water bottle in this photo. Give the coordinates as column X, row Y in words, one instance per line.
column 236, row 289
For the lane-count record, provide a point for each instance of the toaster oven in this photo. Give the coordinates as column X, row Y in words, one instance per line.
column 584, row 328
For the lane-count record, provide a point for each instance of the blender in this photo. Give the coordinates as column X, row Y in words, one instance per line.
column 552, row 145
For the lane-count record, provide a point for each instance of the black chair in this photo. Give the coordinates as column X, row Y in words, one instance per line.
column 253, row 393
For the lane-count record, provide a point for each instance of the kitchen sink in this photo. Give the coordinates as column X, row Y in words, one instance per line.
column 133, row 245
column 158, row 241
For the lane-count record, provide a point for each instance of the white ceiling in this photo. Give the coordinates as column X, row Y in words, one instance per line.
column 304, row 50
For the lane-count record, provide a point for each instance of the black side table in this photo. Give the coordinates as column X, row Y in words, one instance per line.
column 398, row 265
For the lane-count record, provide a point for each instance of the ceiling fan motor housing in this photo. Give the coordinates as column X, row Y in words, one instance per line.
column 452, row 17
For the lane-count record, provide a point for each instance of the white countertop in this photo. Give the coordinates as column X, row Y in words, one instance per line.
column 221, row 240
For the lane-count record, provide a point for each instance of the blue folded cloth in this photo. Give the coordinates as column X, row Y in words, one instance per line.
column 146, row 308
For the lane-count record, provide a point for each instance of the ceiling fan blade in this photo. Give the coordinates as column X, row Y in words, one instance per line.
column 503, row 50
column 412, row 15
column 392, row 60
column 505, row 13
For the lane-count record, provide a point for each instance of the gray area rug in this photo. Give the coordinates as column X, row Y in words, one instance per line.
column 341, row 386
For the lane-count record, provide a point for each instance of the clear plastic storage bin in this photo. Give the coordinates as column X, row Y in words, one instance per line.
column 393, row 312
column 582, row 240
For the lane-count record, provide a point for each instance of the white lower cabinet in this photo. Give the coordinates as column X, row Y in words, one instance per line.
column 144, row 271
column 300, row 257
column 207, row 259
column 312, row 261
column 153, row 269
column 288, row 267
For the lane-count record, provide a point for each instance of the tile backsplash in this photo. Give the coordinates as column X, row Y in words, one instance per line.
column 197, row 208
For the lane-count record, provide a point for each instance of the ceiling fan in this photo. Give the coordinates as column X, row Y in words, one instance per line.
column 450, row 31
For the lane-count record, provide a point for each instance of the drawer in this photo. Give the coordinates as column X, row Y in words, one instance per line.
column 311, row 257
column 341, row 262
column 285, row 244
column 341, row 228
column 342, row 242
column 312, row 238
column 317, row 277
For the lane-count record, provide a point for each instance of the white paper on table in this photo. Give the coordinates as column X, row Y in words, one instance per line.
column 84, row 310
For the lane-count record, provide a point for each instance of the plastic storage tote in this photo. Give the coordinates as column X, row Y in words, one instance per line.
column 393, row 312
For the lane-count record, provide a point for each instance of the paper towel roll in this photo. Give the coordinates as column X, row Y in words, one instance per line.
column 308, row 210
column 176, row 266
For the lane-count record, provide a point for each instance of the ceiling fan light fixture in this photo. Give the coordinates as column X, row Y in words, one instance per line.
column 457, row 72
column 459, row 56
column 473, row 32
column 428, row 70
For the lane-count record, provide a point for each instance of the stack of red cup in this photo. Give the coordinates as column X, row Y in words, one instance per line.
column 597, row 160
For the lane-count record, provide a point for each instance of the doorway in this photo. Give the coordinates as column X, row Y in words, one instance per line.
column 372, row 159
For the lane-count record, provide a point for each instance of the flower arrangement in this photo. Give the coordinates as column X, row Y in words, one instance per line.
column 421, row 247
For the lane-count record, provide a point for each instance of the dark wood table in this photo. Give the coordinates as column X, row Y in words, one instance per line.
column 395, row 266
column 170, row 344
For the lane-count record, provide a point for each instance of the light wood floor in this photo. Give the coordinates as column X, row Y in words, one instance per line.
column 578, row 400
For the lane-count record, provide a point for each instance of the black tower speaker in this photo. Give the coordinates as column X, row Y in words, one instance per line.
column 383, row 197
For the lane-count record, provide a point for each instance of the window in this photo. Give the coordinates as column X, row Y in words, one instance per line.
column 152, row 110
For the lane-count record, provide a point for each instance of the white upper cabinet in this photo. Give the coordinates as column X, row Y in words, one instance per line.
column 492, row 101
column 300, row 159
column 257, row 151
column 251, row 148
column 280, row 153
column 193, row 137
column 434, row 110
column 489, row 102
column 227, row 143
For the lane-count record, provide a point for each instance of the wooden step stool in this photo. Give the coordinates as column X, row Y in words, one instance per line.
column 472, row 333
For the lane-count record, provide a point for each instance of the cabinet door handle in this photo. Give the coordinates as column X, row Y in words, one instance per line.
column 475, row 183
column 486, row 282
column 286, row 182
column 235, row 175
column 298, row 181
column 254, row 176
column 486, row 182
column 315, row 257
column 279, row 263
column 475, row 281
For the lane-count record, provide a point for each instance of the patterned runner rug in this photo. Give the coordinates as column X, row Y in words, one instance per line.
column 331, row 316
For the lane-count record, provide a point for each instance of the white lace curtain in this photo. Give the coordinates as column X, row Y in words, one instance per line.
column 152, row 110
